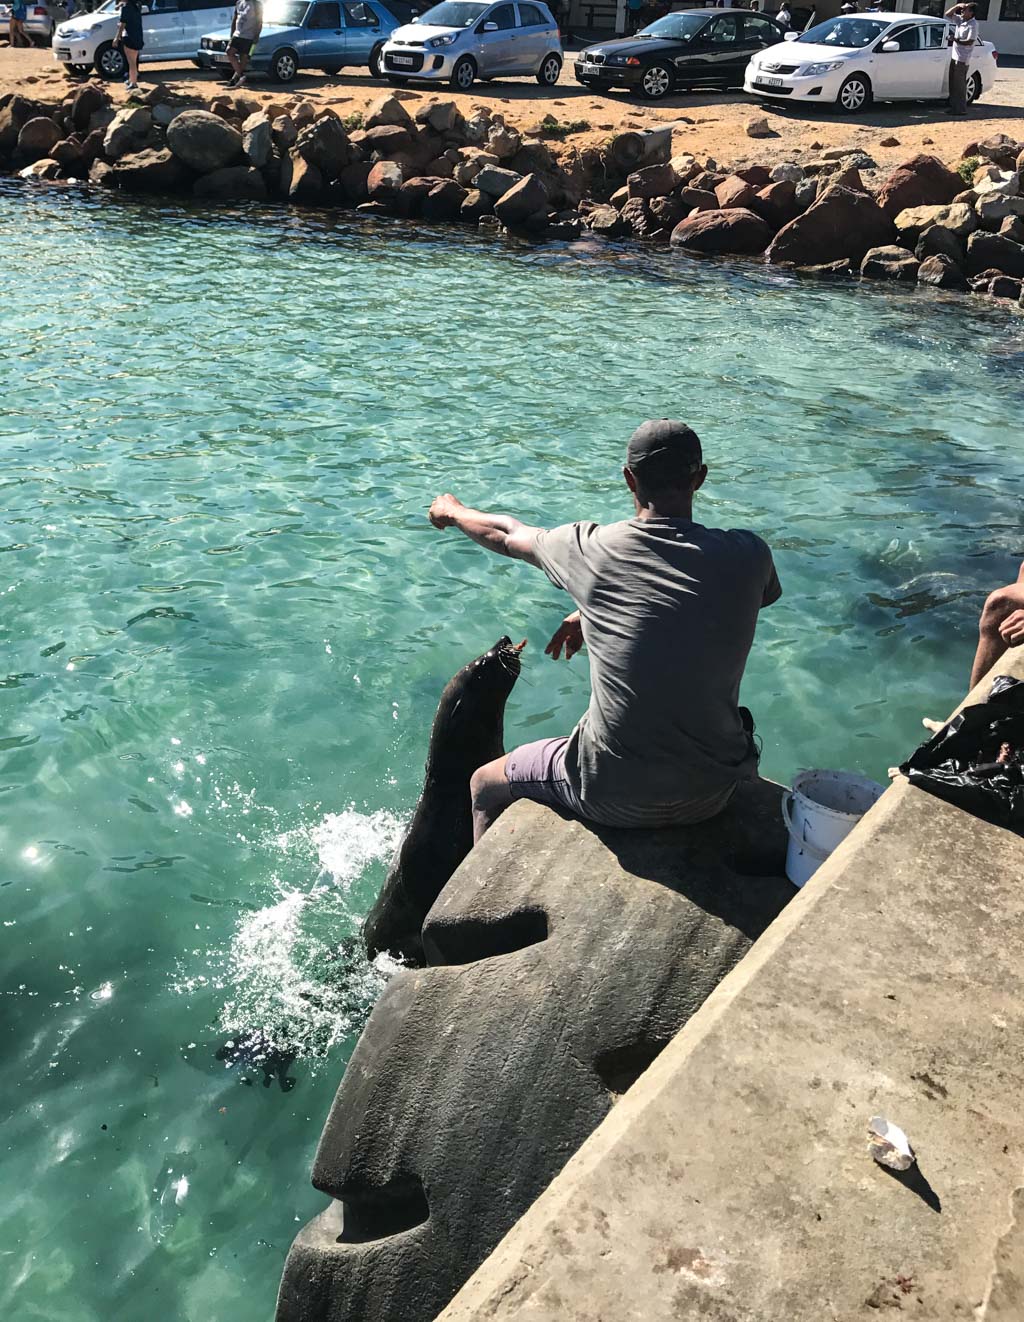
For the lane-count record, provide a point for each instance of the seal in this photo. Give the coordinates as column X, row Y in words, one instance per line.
column 468, row 730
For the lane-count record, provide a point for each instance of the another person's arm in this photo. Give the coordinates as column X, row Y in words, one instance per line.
column 500, row 533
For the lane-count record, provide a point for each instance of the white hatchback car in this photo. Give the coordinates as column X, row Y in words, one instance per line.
column 854, row 59
column 171, row 30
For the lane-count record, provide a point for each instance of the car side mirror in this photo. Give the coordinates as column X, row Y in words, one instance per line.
column 144, row 9
column 790, row 36
column 891, row 47
column 489, row 27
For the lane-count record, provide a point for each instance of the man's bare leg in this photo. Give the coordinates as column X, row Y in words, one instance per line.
column 998, row 628
column 491, row 794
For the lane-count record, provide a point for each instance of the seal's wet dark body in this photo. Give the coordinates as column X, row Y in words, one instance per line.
column 468, row 731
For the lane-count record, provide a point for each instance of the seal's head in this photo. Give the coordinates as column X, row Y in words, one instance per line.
column 469, row 724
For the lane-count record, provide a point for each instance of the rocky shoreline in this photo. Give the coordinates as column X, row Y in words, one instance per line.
column 923, row 223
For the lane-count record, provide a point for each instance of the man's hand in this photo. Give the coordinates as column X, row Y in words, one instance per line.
column 444, row 510
column 569, row 635
column 1012, row 629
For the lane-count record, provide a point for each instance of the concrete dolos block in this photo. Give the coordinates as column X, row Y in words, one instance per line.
column 561, row 958
column 733, row 1182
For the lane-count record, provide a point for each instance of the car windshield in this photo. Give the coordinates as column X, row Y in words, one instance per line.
column 848, row 33
column 453, row 14
column 680, row 26
column 110, row 7
column 285, row 13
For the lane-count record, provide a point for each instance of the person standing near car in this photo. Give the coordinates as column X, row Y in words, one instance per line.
column 246, row 26
column 784, row 17
column 16, row 24
column 964, row 39
column 129, row 38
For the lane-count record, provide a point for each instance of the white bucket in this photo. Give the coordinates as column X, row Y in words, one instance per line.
column 820, row 811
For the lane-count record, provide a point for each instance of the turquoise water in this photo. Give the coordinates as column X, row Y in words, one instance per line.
column 225, row 623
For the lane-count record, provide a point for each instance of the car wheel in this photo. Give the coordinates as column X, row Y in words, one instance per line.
column 375, row 67
column 854, row 95
column 332, row 70
column 110, row 62
column 973, row 88
column 463, row 74
column 655, row 82
column 547, row 74
column 82, row 70
column 396, row 82
column 284, row 66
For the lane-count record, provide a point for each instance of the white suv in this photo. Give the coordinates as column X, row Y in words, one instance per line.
column 171, row 30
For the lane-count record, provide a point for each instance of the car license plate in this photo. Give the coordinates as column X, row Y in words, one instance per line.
column 62, row 54
column 773, row 82
column 590, row 68
column 402, row 59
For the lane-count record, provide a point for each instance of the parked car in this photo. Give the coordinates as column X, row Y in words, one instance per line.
column 459, row 41
column 854, row 59
column 40, row 21
column 686, row 49
column 171, row 30
column 297, row 34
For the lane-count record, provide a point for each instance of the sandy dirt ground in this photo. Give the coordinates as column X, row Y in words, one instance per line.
column 706, row 123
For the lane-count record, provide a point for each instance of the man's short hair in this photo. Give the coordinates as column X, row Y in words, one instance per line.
column 664, row 453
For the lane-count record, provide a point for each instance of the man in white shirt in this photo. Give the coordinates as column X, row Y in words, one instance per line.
column 965, row 39
column 785, row 17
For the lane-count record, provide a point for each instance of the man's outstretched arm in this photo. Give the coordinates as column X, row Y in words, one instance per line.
column 494, row 532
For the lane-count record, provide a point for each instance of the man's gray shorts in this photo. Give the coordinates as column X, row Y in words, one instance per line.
column 537, row 771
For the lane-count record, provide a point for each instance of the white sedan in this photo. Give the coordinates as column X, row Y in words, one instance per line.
column 854, row 59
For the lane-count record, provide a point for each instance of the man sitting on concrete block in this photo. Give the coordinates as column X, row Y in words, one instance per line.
column 667, row 609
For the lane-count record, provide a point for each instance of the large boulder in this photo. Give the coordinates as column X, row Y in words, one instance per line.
column 444, row 201
column 86, row 101
column 524, row 200
column 733, row 230
column 495, row 180
column 13, row 117
column 605, row 220
column 234, row 182
column 920, row 182
column 387, row 110
column 995, row 251
column 127, row 132
column 913, row 221
column 734, row 192
column 533, row 157
column 890, row 263
column 937, row 240
column 353, row 182
column 503, row 142
column 841, row 223
column 300, row 181
column 776, row 203
column 204, row 142
column 667, row 212
column 384, row 182
column 257, row 140
column 1000, row 149
column 941, row 272
column 37, row 138
column 476, row 204
column 390, row 140
column 652, row 181
column 153, row 170
column 477, row 1077
column 697, row 199
column 1011, row 228
column 441, row 116
column 325, row 145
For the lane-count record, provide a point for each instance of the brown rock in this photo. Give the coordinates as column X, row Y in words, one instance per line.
column 889, row 142
column 383, row 182
column 524, row 200
column 776, row 203
column 1012, row 228
column 652, row 181
column 444, row 201
column 841, row 223
column 604, row 219
column 301, row 181
column 86, row 101
column 325, row 145
column 698, row 199
column 668, row 212
column 941, row 272
column 1005, row 286
column 637, row 215
column 203, row 141
column 760, row 128
column 353, row 182
column 957, row 216
column 889, row 263
column 410, row 196
column 758, row 176
column 234, row 181
column 101, row 174
column 387, row 110
column 919, row 182
column 732, row 230
column 284, row 131
column 37, row 138
column 937, row 240
column 389, row 140
column 734, row 192
column 476, row 204
column 533, row 157
column 1000, row 149
column 150, row 171
column 986, row 250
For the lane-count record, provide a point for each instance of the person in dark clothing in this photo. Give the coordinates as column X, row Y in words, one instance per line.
column 129, row 38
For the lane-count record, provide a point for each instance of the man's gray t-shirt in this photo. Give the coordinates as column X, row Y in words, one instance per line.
column 248, row 19
column 668, row 610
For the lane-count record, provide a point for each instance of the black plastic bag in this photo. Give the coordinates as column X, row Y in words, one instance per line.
column 976, row 761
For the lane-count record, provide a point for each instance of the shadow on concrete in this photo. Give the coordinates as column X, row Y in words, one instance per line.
column 917, row 1182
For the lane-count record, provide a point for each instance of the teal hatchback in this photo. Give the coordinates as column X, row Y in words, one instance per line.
column 310, row 34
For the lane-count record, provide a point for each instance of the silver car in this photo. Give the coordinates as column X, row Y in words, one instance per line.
column 459, row 41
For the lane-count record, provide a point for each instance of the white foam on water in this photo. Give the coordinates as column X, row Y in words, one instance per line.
column 294, row 974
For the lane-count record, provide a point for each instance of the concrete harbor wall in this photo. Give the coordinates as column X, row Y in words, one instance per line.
column 733, row 1180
